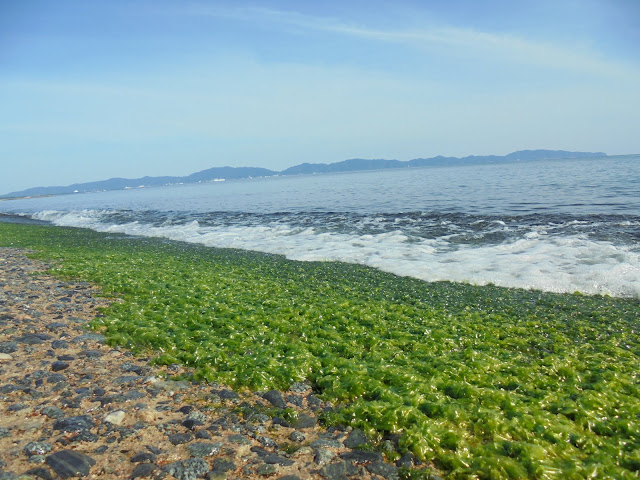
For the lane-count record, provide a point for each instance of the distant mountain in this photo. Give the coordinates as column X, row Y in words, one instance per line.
column 352, row 165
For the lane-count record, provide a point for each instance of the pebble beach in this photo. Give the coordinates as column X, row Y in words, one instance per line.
column 72, row 406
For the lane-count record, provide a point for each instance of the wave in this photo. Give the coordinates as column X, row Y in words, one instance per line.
column 575, row 255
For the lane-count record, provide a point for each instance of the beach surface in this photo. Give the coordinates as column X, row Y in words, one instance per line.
column 73, row 406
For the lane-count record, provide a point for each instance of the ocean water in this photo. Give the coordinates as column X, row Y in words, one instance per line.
column 557, row 225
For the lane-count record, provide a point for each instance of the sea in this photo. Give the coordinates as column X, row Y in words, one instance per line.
column 554, row 225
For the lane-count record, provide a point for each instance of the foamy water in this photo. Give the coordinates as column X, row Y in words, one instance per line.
column 559, row 226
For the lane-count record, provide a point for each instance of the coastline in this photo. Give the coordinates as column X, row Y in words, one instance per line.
column 70, row 402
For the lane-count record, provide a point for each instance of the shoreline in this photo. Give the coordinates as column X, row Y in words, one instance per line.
column 69, row 399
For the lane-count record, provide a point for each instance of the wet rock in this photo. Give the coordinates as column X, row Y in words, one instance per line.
column 180, row 438
column 69, row 463
column 37, row 448
column 356, row 438
column 143, row 457
column 304, row 421
column 33, row 338
column 59, row 365
column 40, row 472
column 189, row 469
column 143, row 470
column 74, row 424
column 275, row 398
column 297, row 437
column 323, row 456
column 8, row 347
column 204, row 449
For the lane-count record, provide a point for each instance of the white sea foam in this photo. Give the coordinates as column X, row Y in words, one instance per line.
column 537, row 261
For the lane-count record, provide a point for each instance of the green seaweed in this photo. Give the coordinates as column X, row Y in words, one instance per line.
column 484, row 382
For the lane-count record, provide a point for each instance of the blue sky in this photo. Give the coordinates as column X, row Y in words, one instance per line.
column 91, row 90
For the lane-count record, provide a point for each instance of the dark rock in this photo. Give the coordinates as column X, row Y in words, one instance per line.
column 4, row 432
column 33, row 338
column 274, row 459
column 390, row 472
column 240, row 439
column 133, row 395
column 154, row 450
column 143, row 457
column 304, row 421
column 221, row 465
column 281, row 421
column 297, row 437
column 127, row 380
column 56, row 378
column 16, row 407
column 59, row 344
column 296, row 400
column 8, row 347
column 313, row 401
column 101, row 449
column 204, row 449
column 300, row 387
column 55, row 326
column 358, row 456
column 8, row 476
column 189, row 469
column 37, row 448
column 323, row 455
column 66, row 358
column 187, row 409
column 74, row 424
column 203, row 435
column 143, row 470
column 58, row 365
column 9, row 388
column 290, row 477
column 335, row 471
column 275, row 398
column 90, row 353
column 180, row 438
column 356, row 438
column 40, row 472
column 85, row 436
column 69, row 463
column 266, row 469
column 266, row 441
column 227, row 394
column 326, row 443
column 405, row 461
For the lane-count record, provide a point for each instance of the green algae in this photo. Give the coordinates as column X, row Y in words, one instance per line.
column 484, row 382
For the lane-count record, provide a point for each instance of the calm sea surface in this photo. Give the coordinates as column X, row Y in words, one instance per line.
column 557, row 225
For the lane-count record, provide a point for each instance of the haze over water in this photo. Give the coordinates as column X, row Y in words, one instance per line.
column 557, row 225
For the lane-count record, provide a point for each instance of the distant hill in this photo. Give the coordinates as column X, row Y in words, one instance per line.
column 352, row 165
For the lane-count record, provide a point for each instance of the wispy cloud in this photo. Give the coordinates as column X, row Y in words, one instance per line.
column 465, row 41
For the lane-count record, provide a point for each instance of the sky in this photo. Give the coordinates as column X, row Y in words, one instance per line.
column 91, row 90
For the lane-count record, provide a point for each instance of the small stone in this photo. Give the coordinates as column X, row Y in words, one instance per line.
column 69, row 463
column 143, row 457
column 221, row 465
column 304, row 421
column 37, row 459
column 95, row 337
column 390, row 472
column 40, row 472
column 33, row 338
column 143, row 470
column 204, row 449
column 58, row 365
column 358, row 456
column 8, row 347
column 290, row 477
column 203, row 435
column 16, row 407
column 300, row 387
column 148, row 416
column 227, row 394
column 37, row 448
column 240, row 439
column 180, row 438
column 356, row 438
column 56, row 378
column 189, row 469
column 275, row 398
column 323, row 456
column 74, row 424
column 5, row 357
column 266, row 469
column 4, row 432
column 115, row 418
column 297, row 437
column 334, row 471
column 90, row 353
column 59, row 344
column 66, row 358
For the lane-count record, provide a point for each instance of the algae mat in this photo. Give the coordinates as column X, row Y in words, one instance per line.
column 484, row 382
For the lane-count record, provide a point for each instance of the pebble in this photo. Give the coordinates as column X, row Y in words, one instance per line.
column 115, row 418
column 5, row 357
column 70, row 463
column 204, row 449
